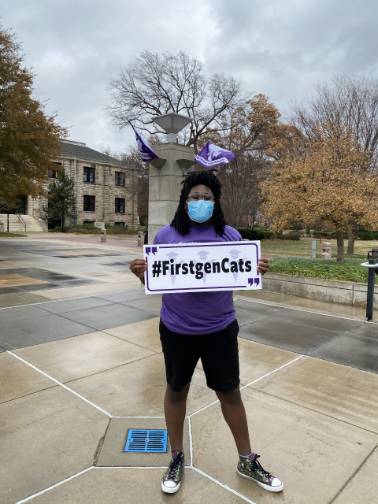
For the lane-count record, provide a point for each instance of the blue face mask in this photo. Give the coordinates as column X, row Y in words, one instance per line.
column 200, row 210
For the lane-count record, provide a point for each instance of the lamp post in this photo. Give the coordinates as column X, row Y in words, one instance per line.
column 172, row 123
column 166, row 173
column 372, row 264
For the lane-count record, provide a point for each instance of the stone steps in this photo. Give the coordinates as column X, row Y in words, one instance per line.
column 17, row 223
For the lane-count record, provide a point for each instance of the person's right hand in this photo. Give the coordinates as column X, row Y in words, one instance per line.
column 138, row 267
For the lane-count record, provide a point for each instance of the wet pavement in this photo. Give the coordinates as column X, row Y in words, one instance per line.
column 80, row 363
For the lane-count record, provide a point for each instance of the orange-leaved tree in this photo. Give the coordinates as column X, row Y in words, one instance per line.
column 29, row 140
column 247, row 131
column 347, row 102
column 325, row 183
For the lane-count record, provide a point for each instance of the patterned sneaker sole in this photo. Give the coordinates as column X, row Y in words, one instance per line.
column 263, row 485
column 168, row 490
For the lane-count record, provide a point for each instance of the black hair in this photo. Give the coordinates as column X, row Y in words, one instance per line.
column 181, row 221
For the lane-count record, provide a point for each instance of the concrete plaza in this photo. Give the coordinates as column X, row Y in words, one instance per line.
column 81, row 363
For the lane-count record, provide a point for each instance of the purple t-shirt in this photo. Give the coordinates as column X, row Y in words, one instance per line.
column 197, row 312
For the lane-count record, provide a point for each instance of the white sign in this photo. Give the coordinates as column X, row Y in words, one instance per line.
column 198, row 267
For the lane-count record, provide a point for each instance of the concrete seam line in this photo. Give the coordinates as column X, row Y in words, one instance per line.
column 75, row 298
column 61, row 384
column 129, row 467
column 296, row 308
column 273, row 371
column 37, row 494
column 213, row 403
column 108, row 370
column 319, row 412
column 346, row 483
column 139, row 416
column 190, row 441
column 251, row 383
column 225, row 487
column 155, row 352
column 28, row 394
column 61, row 315
column 39, row 303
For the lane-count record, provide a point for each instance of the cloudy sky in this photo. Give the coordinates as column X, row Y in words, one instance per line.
column 279, row 48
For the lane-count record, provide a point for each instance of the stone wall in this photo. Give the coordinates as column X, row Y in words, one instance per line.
column 331, row 291
column 36, row 209
column 104, row 189
column 165, row 184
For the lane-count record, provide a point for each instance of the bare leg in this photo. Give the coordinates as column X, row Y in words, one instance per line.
column 234, row 414
column 175, row 410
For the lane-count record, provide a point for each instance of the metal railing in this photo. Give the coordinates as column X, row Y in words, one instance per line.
column 21, row 220
column 372, row 264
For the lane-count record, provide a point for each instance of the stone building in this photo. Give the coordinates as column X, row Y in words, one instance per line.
column 104, row 190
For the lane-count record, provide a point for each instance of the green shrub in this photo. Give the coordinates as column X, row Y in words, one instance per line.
column 119, row 230
column 256, row 233
column 323, row 234
column 259, row 233
column 89, row 228
column 127, row 230
column 350, row 270
column 82, row 228
column 291, row 235
column 364, row 234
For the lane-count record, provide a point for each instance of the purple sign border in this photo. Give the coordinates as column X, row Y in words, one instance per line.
column 194, row 289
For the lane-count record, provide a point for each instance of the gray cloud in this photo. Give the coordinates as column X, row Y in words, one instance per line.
column 284, row 48
column 279, row 48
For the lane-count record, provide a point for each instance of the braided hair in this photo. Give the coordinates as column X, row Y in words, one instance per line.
column 181, row 221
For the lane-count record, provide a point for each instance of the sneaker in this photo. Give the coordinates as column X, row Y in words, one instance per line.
column 173, row 476
column 251, row 468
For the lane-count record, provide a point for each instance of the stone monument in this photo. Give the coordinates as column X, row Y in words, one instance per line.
column 166, row 173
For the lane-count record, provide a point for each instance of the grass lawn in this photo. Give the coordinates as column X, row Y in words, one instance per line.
column 10, row 235
column 293, row 257
column 302, row 248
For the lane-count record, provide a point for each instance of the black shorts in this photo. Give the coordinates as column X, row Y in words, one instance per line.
column 218, row 352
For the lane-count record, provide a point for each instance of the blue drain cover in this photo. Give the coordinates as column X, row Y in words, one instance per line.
column 146, row 441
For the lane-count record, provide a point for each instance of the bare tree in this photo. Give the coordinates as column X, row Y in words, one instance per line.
column 253, row 127
column 350, row 104
column 156, row 84
column 137, row 173
column 242, row 198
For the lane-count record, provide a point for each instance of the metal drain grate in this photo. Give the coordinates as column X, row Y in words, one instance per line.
column 146, row 441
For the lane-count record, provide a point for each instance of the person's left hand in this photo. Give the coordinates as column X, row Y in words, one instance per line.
column 263, row 265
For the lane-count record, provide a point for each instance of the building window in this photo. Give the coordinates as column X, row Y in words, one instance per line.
column 89, row 203
column 119, row 179
column 120, row 205
column 54, row 170
column 89, row 174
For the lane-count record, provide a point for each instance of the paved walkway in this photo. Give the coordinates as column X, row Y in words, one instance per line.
column 81, row 363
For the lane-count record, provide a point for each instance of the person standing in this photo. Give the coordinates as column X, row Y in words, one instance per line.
column 202, row 325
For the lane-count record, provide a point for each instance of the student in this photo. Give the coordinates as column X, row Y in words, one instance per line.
column 202, row 325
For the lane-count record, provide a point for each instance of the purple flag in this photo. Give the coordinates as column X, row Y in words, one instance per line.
column 145, row 150
column 211, row 156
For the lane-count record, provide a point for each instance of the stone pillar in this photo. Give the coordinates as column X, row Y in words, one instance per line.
column 165, row 184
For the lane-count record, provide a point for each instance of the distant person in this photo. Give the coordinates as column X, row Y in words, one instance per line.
column 202, row 325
